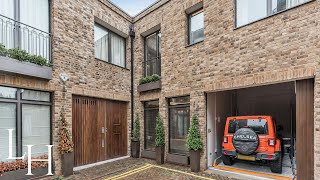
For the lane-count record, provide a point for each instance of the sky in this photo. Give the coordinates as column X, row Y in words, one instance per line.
column 133, row 7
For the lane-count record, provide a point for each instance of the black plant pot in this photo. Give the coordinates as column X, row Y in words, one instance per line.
column 160, row 155
column 67, row 164
column 194, row 160
column 135, row 149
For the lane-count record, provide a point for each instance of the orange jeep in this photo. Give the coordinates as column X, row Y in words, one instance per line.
column 252, row 138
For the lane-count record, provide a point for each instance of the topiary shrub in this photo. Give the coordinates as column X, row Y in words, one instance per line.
column 194, row 140
column 136, row 129
column 65, row 141
column 160, row 135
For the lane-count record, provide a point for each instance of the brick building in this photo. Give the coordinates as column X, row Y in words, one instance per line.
column 206, row 52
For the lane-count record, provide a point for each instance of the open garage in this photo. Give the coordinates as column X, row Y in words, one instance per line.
column 289, row 105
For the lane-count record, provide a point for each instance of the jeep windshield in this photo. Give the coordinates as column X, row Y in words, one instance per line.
column 260, row 126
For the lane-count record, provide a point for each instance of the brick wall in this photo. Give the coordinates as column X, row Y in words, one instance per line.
column 284, row 47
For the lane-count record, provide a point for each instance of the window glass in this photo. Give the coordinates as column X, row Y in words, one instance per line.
column 179, row 126
column 7, row 9
column 196, row 27
column 7, row 121
column 101, row 43
column 152, row 54
column 36, row 128
column 35, row 95
column 6, row 92
column 260, row 126
column 252, row 10
column 151, row 111
column 117, row 50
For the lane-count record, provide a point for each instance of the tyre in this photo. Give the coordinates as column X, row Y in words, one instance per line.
column 245, row 141
column 276, row 166
column 227, row 160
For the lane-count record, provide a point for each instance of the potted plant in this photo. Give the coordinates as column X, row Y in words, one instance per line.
column 65, row 147
column 160, row 140
column 194, row 144
column 135, row 141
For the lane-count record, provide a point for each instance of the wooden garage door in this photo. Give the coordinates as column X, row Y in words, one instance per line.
column 99, row 129
column 305, row 129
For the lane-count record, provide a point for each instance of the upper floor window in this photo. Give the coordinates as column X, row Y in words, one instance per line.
column 196, row 27
column 152, row 63
column 109, row 46
column 252, row 10
column 24, row 24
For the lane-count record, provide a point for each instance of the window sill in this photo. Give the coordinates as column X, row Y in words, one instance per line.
column 275, row 14
column 112, row 64
column 194, row 43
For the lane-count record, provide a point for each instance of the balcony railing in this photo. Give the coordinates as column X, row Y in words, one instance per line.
column 14, row 34
column 152, row 66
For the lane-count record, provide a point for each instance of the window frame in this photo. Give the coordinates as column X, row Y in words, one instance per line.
column 266, row 17
column 145, row 119
column 158, row 58
column 19, row 102
column 190, row 15
column 109, row 61
column 170, row 107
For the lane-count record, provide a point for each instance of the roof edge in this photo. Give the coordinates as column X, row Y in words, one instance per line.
column 122, row 12
column 149, row 9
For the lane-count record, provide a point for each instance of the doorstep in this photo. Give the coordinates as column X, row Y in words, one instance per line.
column 178, row 159
column 148, row 154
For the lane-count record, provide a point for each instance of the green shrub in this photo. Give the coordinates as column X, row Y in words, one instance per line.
column 149, row 79
column 136, row 129
column 3, row 50
column 160, row 136
column 194, row 140
column 23, row 55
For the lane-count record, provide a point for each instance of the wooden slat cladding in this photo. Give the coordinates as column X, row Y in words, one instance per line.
column 305, row 129
column 99, row 129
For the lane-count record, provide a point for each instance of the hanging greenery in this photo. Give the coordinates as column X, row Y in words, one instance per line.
column 160, row 135
column 194, row 140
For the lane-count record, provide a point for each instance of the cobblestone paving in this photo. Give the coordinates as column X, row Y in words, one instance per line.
column 117, row 168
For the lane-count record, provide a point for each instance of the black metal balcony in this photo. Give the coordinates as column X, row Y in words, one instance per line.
column 14, row 34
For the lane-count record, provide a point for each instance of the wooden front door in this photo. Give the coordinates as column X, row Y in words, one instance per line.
column 99, row 129
column 305, row 129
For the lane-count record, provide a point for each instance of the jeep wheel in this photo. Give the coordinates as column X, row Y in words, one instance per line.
column 227, row 160
column 245, row 141
column 276, row 166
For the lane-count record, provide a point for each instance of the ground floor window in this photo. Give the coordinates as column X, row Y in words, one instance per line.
column 151, row 110
column 179, row 122
column 28, row 113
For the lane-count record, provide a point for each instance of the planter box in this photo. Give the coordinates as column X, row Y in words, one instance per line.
column 160, row 155
column 178, row 159
column 10, row 65
column 67, row 164
column 149, row 86
column 195, row 161
column 21, row 174
column 135, row 149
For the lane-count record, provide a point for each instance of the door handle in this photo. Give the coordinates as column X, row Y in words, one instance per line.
column 102, row 130
column 106, row 130
column 102, row 143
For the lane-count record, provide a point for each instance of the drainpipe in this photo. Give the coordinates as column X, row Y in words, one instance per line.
column 132, row 35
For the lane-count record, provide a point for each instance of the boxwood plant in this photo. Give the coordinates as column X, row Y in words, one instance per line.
column 160, row 136
column 136, row 129
column 23, row 55
column 149, row 79
column 194, row 140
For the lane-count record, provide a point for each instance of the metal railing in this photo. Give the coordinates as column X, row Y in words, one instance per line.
column 14, row 34
column 152, row 66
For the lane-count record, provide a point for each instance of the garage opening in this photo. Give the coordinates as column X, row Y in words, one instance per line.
column 290, row 105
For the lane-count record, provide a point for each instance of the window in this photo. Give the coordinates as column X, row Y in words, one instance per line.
column 151, row 110
column 25, row 25
column 179, row 119
column 109, row 46
column 152, row 64
column 196, row 27
column 252, row 10
column 260, row 126
column 31, row 126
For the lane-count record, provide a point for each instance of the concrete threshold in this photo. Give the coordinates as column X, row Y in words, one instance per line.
column 79, row 168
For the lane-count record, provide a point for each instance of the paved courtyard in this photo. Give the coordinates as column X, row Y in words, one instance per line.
column 140, row 169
